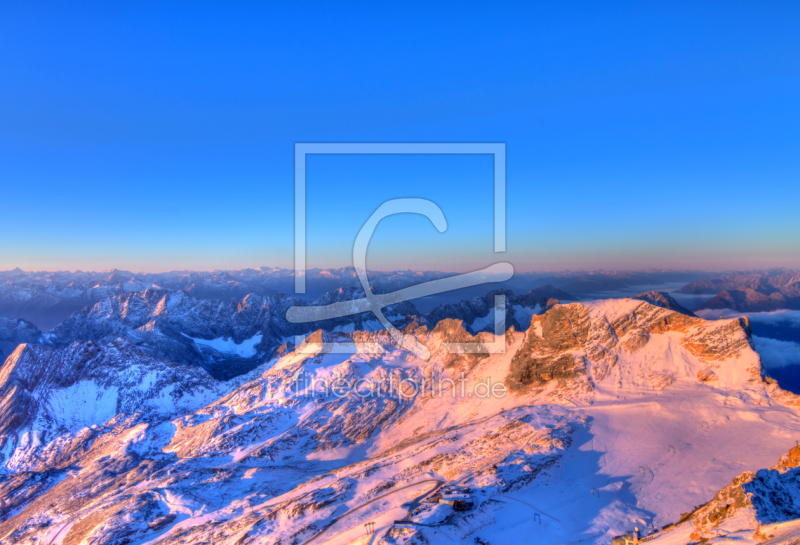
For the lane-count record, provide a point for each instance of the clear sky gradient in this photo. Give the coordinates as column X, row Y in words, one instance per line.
column 159, row 136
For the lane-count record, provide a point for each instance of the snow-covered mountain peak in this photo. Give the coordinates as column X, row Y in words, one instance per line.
column 628, row 343
column 598, row 417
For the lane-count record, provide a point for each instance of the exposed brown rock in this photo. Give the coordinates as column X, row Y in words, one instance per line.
column 546, row 357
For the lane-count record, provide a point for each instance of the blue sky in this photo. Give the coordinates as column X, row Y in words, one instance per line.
column 160, row 136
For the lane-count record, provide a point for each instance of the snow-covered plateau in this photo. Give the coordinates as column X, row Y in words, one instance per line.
column 597, row 418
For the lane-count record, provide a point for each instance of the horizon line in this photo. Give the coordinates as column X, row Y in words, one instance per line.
column 292, row 271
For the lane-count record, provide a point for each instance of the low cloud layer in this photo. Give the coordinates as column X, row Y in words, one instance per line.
column 776, row 317
column 775, row 353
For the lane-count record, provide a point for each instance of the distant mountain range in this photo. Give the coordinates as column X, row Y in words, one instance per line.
column 751, row 291
column 48, row 298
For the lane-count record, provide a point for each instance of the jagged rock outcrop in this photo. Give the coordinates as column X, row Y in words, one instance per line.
column 581, row 344
column 549, row 350
column 663, row 300
column 751, row 500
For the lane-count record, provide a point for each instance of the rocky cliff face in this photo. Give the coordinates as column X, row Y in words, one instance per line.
column 586, row 343
column 748, row 507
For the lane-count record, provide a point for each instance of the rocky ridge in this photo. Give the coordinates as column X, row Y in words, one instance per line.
column 750, row 509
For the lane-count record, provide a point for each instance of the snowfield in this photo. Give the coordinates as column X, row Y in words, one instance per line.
column 245, row 349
